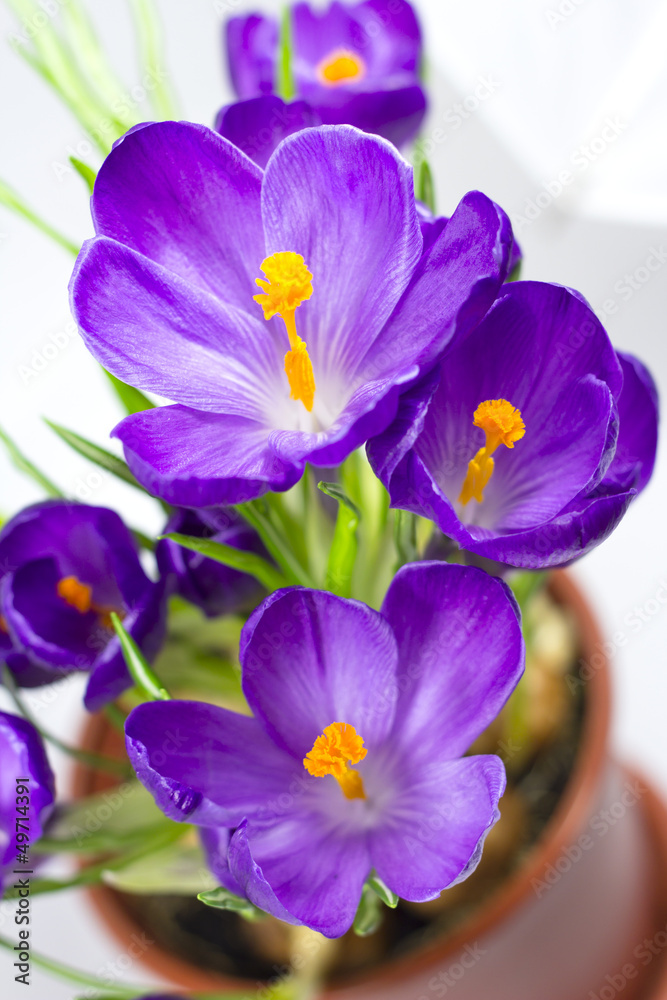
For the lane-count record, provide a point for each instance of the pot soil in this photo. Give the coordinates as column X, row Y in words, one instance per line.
column 569, row 903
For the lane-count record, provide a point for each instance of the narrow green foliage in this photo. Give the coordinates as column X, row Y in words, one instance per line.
column 137, row 664
column 84, row 171
column 424, row 186
column 152, row 59
column 245, row 562
column 343, row 551
column 369, row 913
column 388, row 897
column 285, row 83
column 132, row 399
column 25, row 466
column 94, row 453
column 15, row 203
column 223, row 899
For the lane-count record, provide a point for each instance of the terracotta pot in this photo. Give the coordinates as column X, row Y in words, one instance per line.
column 583, row 918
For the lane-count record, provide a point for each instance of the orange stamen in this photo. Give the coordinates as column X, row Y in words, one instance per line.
column 337, row 747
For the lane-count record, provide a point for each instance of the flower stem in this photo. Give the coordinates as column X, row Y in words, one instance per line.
column 276, row 544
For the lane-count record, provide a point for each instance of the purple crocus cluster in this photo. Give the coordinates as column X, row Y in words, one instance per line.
column 277, row 282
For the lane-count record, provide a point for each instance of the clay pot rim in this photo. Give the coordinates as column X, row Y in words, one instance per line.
column 562, row 829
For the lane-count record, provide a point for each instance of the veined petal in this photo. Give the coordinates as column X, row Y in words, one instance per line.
column 302, row 870
column 205, row 764
column 188, row 199
column 634, row 459
column 439, row 824
column 310, row 658
column 460, row 651
column 158, row 332
column 258, row 125
column 344, row 200
column 196, row 459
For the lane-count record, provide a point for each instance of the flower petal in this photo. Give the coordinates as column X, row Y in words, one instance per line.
column 205, row 764
column 158, row 332
column 345, row 201
column 310, row 658
column 440, row 823
column 453, row 286
column 258, row 125
column 395, row 114
column 252, row 47
column 186, row 198
column 633, row 462
column 461, row 654
column 302, row 871
column 195, row 459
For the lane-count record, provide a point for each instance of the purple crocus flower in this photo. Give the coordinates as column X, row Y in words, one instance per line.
column 533, row 440
column 353, row 759
column 64, row 567
column 215, row 588
column 352, row 306
column 258, row 126
column 26, row 805
column 353, row 64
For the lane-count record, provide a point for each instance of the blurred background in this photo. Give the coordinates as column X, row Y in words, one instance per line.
column 557, row 109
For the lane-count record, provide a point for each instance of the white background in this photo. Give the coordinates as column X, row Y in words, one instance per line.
column 551, row 75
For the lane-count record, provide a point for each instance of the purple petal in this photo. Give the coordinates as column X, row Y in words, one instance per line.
column 303, row 870
column 158, row 332
column 252, row 48
column 184, row 197
column 395, row 115
column 258, row 125
column 205, row 764
column 215, row 841
column 310, row 658
column 195, row 459
column 461, row 654
column 453, row 286
column 441, row 819
column 638, row 426
column 22, row 755
column 345, row 201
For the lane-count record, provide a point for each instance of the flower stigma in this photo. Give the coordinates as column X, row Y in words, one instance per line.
column 78, row 595
column 503, row 424
column 288, row 284
column 337, row 747
column 341, row 66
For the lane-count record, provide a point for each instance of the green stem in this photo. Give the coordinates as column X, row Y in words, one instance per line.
column 99, row 761
column 76, row 976
column 137, row 664
column 148, row 32
column 275, row 543
column 15, row 203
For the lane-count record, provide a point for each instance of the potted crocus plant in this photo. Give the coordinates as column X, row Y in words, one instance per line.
column 349, row 731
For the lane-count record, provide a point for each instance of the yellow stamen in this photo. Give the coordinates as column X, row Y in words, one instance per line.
column 288, row 284
column 78, row 595
column 338, row 746
column 341, row 66
column 3, row 625
column 503, row 424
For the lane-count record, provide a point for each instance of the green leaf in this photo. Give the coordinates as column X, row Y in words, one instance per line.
column 246, row 562
column 152, row 57
column 285, row 87
column 132, row 399
column 343, row 551
column 13, row 201
column 106, row 821
column 258, row 514
column 137, row 664
column 25, row 465
column 369, row 913
column 388, row 897
column 178, row 869
column 223, row 899
column 405, row 536
column 124, row 992
column 83, row 170
column 424, row 187
column 94, row 453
